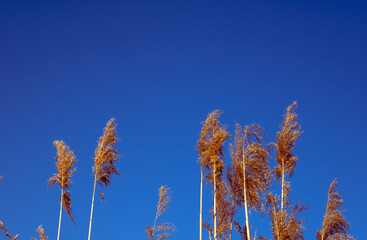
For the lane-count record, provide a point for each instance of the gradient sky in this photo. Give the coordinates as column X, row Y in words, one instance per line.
column 67, row 67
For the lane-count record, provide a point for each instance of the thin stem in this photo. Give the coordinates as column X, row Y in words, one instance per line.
column 282, row 185
column 91, row 210
column 245, row 195
column 323, row 224
column 201, row 204
column 215, row 202
column 58, row 232
column 230, row 226
column 155, row 220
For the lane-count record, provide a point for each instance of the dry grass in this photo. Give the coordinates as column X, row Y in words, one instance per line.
column 6, row 232
column 285, row 223
column 211, row 157
column 162, row 229
column 65, row 161
column 286, row 138
column 249, row 175
column 104, row 167
column 334, row 225
column 106, row 155
column 41, row 233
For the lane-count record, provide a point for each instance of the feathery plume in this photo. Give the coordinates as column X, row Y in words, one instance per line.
column 162, row 229
column 334, row 225
column 41, row 233
column 65, row 161
column 289, row 132
column 210, row 149
column 284, row 222
column 250, row 168
column 104, row 167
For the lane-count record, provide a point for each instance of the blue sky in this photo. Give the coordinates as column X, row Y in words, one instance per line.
column 159, row 68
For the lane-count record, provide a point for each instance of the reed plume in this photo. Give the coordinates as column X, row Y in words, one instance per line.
column 284, row 222
column 41, row 233
column 65, row 161
column 162, row 229
column 251, row 173
column 104, row 167
column 225, row 210
column 334, row 225
column 210, row 149
column 231, row 192
column 286, row 138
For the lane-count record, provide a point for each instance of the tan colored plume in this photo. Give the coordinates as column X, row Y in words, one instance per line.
column 334, row 225
column 104, row 167
column 65, row 162
column 162, row 229
column 41, row 233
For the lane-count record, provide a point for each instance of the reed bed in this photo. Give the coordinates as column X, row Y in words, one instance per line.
column 244, row 183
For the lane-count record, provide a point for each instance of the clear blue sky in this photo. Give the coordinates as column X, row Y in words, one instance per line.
column 67, row 67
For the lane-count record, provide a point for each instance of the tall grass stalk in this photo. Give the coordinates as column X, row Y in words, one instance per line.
column 65, row 161
column 104, row 167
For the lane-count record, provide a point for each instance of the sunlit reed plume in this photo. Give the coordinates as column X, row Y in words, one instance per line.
column 334, row 225
column 104, row 167
column 162, row 229
column 65, row 161
column 284, row 222
column 289, row 132
column 41, row 233
column 211, row 157
column 250, row 168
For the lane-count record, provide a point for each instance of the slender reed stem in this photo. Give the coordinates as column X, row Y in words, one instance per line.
column 58, row 232
column 245, row 195
column 91, row 210
column 282, row 185
column 201, row 204
column 215, row 201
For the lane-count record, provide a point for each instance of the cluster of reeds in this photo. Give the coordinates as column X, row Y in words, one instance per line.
column 249, row 178
column 104, row 167
column 244, row 183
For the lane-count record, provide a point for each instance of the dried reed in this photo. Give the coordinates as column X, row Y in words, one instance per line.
column 164, row 199
column 41, row 233
column 210, row 149
column 6, row 232
column 104, row 167
column 286, row 138
column 250, row 167
column 284, row 222
column 334, row 225
column 65, row 161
